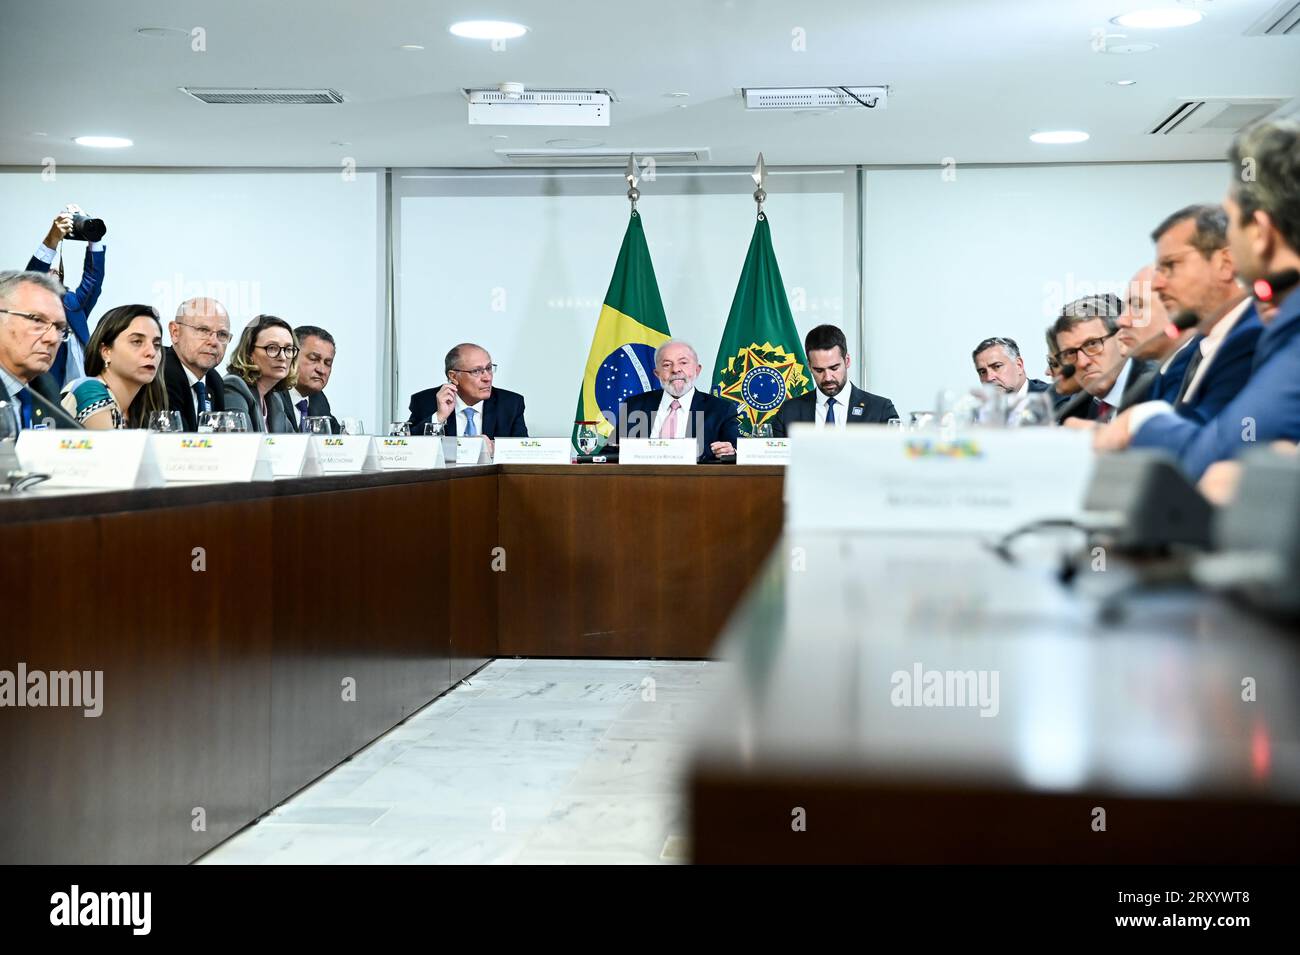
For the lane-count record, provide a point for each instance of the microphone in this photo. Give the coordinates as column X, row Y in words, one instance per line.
column 1274, row 284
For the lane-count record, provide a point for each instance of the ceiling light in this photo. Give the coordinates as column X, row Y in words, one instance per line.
column 103, row 142
column 1123, row 83
column 1158, row 19
column 162, row 33
column 1059, row 137
column 1128, row 49
column 488, row 30
column 677, row 95
column 410, row 47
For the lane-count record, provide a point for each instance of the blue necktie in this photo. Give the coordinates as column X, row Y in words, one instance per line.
column 830, row 410
column 201, row 390
column 302, row 414
column 470, row 430
column 25, row 404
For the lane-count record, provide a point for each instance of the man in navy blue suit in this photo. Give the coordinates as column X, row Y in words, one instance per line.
column 998, row 362
column 70, row 362
column 678, row 409
column 1263, row 214
column 468, row 404
column 1146, row 334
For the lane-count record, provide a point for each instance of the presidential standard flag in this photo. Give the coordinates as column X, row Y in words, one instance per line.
column 631, row 325
column 760, row 361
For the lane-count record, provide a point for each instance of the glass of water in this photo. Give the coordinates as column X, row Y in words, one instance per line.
column 166, row 422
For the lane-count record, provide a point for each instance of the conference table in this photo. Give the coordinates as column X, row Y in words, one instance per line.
column 252, row 636
column 913, row 698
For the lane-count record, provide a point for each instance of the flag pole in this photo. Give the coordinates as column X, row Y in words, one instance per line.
column 759, row 175
column 633, row 193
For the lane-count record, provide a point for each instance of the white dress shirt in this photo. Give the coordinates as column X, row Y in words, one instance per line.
column 193, row 379
column 1115, row 397
column 296, row 396
column 683, row 413
column 1211, row 342
column 461, row 418
column 841, row 408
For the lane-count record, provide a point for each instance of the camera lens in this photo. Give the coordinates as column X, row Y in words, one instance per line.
column 86, row 229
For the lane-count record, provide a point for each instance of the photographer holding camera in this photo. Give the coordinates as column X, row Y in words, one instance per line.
column 73, row 223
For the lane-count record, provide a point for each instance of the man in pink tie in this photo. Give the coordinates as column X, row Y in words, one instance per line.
column 679, row 410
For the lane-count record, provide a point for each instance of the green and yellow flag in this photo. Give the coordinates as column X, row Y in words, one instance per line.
column 760, row 360
column 631, row 325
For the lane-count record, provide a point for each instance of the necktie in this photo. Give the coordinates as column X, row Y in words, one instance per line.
column 302, row 414
column 1104, row 410
column 1189, row 374
column 669, row 430
column 201, row 391
column 470, row 430
column 25, row 405
column 830, row 410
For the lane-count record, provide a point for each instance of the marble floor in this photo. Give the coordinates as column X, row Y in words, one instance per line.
column 530, row 761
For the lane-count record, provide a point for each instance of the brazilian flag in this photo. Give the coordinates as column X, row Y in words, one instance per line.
column 760, row 360
column 631, row 325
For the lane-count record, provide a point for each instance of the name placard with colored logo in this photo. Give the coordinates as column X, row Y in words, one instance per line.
column 397, row 453
column 763, row 451
column 346, row 452
column 211, row 457
column 976, row 480
column 657, row 451
column 472, row 451
column 291, row 455
column 98, row 459
column 533, row 451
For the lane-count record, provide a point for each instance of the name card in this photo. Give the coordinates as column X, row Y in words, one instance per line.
column 290, row 455
column 976, row 480
column 211, row 457
column 346, row 452
column 533, row 451
column 657, row 451
column 410, row 452
column 472, row 451
column 763, row 451
column 98, row 459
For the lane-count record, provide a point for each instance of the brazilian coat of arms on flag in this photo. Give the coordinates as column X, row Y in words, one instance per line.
column 632, row 324
column 760, row 361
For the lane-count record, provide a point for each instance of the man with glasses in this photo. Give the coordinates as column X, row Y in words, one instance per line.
column 998, row 362
column 1085, row 338
column 467, row 404
column 1062, row 388
column 32, row 327
column 199, row 334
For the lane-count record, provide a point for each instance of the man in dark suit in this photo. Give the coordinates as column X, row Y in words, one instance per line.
column 315, row 365
column 1145, row 333
column 998, row 362
column 835, row 401
column 1085, row 334
column 199, row 333
column 70, row 362
column 677, row 409
column 468, row 404
column 32, row 326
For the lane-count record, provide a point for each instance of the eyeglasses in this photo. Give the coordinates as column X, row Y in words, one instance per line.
column 1092, row 348
column 41, row 324
column 488, row 370
column 275, row 351
column 204, row 332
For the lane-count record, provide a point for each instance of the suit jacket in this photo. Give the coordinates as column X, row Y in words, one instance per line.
column 77, row 305
column 717, row 418
column 280, row 417
column 179, row 396
column 318, row 406
column 1267, row 408
column 1225, row 372
column 46, row 409
column 874, row 410
column 1166, row 384
column 1084, row 405
column 1036, row 385
column 503, row 413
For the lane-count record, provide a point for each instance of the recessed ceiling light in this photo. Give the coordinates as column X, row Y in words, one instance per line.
column 499, row 136
column 488, row 30
column 1127, row 49
column 1158, row 19
column 1058, row 137
column 39, row 134
column 340, row 142
column 163, row 33
column 103, row 142
column 410, row 47
column 1123, row 82
column 677, row 95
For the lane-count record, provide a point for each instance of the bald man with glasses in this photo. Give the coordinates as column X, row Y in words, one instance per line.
column 200, row 334
column 33, row 327
column 468, row 404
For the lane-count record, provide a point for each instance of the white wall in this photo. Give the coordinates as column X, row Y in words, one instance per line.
column 520, row 263
column 307, row 246
column 998, row 251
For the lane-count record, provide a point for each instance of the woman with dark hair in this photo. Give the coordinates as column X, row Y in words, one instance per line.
column 123, row 358
column 262, row 370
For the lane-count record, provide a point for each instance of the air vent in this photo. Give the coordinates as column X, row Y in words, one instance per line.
column 553, row 107
column 1215, row 116
column 1282, row 20
column 601, row 157
column 816, row 97
column 260, row 97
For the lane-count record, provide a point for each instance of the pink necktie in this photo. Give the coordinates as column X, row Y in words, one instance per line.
column 669, row 430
